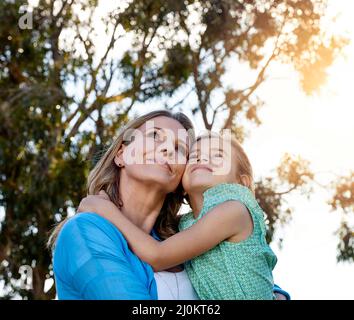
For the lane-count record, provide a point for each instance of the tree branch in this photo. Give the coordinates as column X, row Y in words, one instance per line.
column 286, row 192
column 258, row 81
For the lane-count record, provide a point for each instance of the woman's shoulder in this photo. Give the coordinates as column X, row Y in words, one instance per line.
column 90, row 247
column 88, row 227
column 85, row 237
column 86, row 220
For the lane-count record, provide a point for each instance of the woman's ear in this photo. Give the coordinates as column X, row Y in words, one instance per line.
column 246, row 180
column 118, row 159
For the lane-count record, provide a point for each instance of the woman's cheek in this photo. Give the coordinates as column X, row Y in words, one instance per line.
column 180, row 171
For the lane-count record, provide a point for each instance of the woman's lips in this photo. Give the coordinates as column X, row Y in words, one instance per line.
column 162, row 163
column 167, row 166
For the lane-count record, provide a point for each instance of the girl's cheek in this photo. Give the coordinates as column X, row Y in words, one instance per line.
column 185, row 177
column 217, row 162
column 186, row 169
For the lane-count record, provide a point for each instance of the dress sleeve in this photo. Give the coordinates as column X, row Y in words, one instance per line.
column 277, row 289
column 91, row 256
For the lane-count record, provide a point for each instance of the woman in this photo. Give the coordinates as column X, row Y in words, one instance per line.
column 91, row 258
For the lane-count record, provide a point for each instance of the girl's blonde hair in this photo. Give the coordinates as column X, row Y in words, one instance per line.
column 106, row 176
column 243, row 164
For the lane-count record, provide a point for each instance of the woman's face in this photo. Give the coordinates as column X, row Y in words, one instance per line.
column 157, row 154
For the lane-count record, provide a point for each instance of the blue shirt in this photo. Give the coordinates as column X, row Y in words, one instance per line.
column 92, row 261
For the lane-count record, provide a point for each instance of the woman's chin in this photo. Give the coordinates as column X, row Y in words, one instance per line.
column 160, row 177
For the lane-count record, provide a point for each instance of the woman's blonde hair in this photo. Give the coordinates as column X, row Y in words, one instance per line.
column 106, row 176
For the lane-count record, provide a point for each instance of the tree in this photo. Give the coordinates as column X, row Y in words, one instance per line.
column 343, row 199
column 68, row 83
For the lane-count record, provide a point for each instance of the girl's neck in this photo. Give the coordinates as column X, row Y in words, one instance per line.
column 141, row 203
column 196, row 202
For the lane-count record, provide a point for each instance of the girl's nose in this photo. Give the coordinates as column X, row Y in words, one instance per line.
column 202, row 159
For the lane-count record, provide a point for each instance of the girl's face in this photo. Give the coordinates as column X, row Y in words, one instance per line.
column 157, row 155
column 211, row 162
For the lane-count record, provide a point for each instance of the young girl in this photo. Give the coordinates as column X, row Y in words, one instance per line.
column 222, row 240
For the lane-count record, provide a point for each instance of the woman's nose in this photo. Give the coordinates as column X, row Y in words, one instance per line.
column 167, row 151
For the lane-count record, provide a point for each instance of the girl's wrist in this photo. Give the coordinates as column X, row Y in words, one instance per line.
column 109, row 207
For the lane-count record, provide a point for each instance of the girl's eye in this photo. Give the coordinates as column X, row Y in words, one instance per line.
column 218, row 155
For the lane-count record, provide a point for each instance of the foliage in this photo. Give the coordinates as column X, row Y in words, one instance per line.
column 68, row 84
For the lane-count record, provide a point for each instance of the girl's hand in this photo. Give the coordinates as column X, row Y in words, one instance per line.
column 100, row 204
column 280, row 296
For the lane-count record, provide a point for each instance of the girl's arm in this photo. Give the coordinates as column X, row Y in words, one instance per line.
column 226, row 220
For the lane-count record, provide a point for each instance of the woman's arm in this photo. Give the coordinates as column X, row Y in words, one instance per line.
column 226, row 220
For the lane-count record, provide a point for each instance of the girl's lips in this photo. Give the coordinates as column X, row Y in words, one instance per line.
column 201, row 167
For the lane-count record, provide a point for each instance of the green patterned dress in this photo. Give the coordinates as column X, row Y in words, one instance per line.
column 234, row 271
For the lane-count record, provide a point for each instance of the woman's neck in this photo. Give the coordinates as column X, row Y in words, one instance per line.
column 141, row 203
